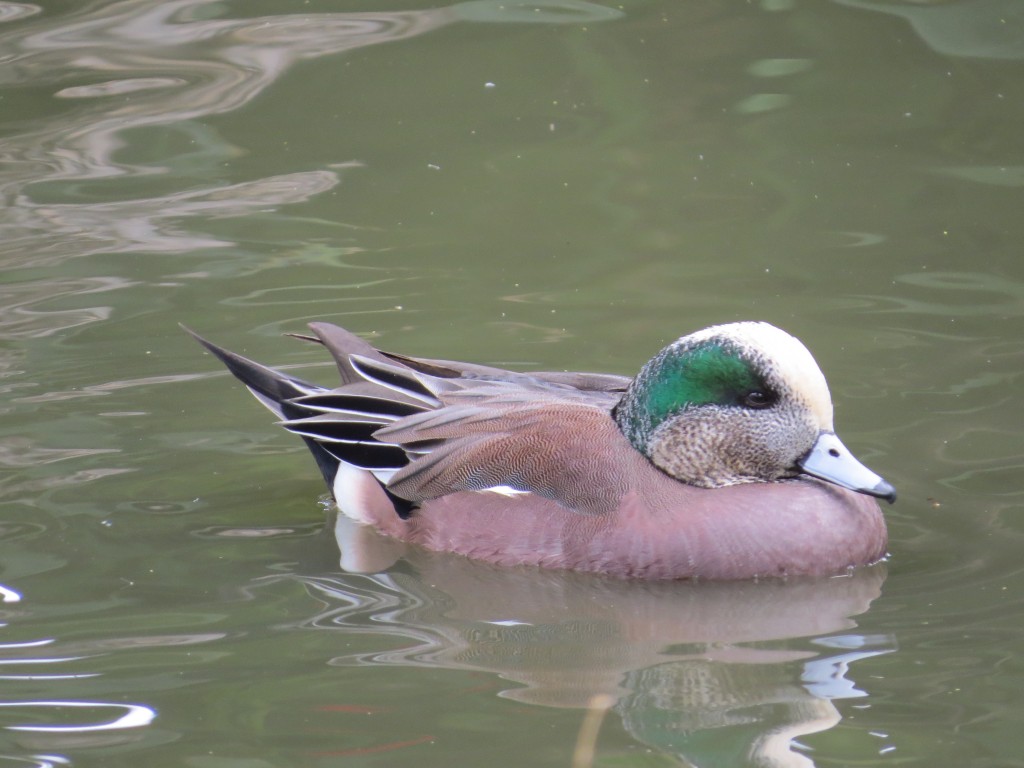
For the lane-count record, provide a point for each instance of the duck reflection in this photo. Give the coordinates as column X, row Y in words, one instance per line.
column 699, row 670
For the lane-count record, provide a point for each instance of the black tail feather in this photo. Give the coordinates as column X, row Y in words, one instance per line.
column 265, row 381
column 336, row 426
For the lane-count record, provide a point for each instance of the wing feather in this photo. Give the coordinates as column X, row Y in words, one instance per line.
column 550, row 447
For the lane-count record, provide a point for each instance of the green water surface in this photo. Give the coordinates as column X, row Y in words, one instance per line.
column 548, row 185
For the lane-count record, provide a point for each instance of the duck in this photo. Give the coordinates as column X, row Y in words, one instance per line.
column 717, row 461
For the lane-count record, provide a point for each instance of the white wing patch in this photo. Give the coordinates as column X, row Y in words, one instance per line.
column 503, row 490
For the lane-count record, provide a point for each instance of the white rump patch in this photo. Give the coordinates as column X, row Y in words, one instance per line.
column 348, row 492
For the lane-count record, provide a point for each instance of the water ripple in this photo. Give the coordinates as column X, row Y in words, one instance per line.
column 55, row 232
column 12, row 11
column 237, row 61
column 38, row 761
column 101, row 390
column 135, row 716
column 219, row 65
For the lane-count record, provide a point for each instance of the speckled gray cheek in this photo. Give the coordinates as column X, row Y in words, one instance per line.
column 791, row 434
column 689, row 449
column 717, row 446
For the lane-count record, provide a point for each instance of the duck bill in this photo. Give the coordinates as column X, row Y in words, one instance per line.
column 830, row 460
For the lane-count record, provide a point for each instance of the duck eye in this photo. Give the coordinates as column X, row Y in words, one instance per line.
column 756, row 399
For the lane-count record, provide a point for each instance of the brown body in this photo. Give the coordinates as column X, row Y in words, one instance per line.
column 657, row 527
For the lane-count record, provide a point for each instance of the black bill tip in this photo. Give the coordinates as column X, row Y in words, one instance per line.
column 882, row 490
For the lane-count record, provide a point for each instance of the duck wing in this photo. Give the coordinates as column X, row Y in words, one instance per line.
column 451, row 369
column 563, row 449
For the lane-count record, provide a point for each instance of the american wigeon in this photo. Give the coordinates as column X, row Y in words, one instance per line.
column 717, row 461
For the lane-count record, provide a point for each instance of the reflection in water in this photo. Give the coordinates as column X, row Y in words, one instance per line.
column 97, row 715
column 121, row 716
column 23, row 312
column 8, row 595
column 692, row 667
column 996, row 175
column 220, row 65
column 990, row 29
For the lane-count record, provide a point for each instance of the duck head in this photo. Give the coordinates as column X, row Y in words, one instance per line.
column 739, row 403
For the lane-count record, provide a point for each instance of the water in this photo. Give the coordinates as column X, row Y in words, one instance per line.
column 555, row 185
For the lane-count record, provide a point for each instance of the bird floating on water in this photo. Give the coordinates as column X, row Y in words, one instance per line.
column 718, row 460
